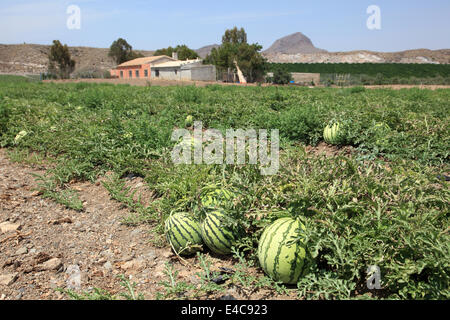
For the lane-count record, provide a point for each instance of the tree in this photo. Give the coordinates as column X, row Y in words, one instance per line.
column 183, row 51
column 60, row 62
column 235, row 48
column 135, row 55
column 235, row 36
column 164, row 52
column 282, row 76
column 121, row 51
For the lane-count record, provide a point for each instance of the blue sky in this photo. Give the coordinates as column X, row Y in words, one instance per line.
column 332, row 25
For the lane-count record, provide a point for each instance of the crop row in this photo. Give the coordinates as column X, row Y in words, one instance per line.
column 381, row 202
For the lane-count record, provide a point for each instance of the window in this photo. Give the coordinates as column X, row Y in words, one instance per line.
column 121, row 74
column 130, row 73
column 137, row 73
column 176, row 72
column 146, row 73
column 157, row 73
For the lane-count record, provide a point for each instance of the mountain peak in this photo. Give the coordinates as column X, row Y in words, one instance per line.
column 292, row 44
column 206, row 50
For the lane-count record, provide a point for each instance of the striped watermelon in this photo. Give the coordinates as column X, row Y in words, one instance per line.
column 184, row 233
column 278, row 255
column 189, row 121
column 216, row 234
column 217, row 198
column 331, row 133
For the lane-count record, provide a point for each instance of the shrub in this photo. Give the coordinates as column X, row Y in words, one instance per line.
column 4, row 115
column 282, row 76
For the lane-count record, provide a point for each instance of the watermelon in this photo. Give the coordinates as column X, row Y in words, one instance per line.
column 282, row 258
column 217, row 235
column 184, row 233
column 189, row 121
column 20, row 136
column 217, row 198
column 331, row 133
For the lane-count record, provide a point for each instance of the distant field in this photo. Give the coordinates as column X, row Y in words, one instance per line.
column 388, row 70
column 377, row 198
column 16, row 78
column 372, row 73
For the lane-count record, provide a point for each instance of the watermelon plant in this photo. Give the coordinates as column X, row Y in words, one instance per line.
column 217, row 198
column 381, row 202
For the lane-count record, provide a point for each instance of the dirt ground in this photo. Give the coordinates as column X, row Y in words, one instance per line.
column 165, row 83
column 409, row 86
column 44, row 246
column 142, row 82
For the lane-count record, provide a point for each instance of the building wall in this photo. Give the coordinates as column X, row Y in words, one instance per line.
column 186, row 74
column 172, row 73
column 306, row 78
column 193, row 72
column 203, row 73
column 140, row 68
column 302, row 78
column 126, row 72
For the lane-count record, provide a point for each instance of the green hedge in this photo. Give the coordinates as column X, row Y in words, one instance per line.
column 389, row 70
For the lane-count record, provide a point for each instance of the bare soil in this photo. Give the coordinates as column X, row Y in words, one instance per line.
column 138, row 82
column 165, row 83
column 42, row 243
column 324, row 149
column 410, row 86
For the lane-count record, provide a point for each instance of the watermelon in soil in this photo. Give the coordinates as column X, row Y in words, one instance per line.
column 216, row 232
column 184, row 233
column 281, row 252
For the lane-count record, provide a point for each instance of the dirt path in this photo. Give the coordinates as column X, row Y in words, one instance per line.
column 44, row 246
column 165, row 83
column 140, row 82
column 410, row 86
column 45, row 241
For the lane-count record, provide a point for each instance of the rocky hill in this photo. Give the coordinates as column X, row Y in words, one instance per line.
column 33, row 58
column 409, row 56
column 204, row 51
column 299, row 48
column 293, row 44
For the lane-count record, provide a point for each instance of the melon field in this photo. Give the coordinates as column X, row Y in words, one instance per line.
column 378, row 196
